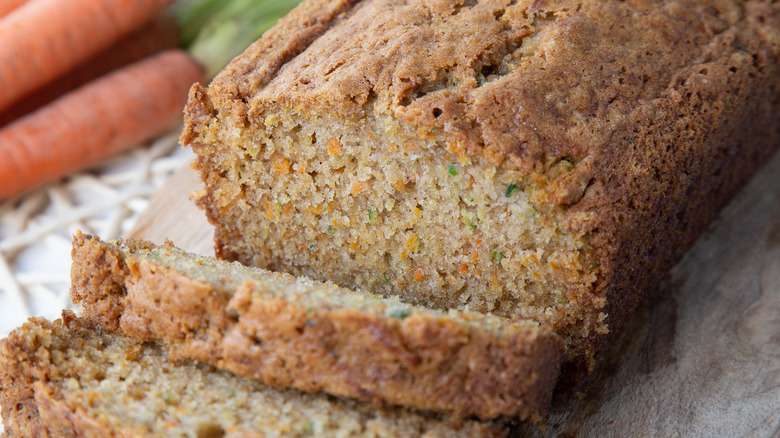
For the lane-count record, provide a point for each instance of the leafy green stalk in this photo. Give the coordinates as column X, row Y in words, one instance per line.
column 192, row 15
column 216, row 31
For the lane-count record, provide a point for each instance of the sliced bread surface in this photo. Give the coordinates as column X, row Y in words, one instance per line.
column 313, row 336
column 71, row 378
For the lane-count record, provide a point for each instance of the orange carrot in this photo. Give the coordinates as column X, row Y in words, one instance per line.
column 106, row 116
column 45, row 38
column 7, row 6
column 160, row 34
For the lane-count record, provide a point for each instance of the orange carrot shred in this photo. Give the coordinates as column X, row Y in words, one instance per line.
column 96, row 121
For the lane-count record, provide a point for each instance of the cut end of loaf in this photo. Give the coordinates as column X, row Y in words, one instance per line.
column 334, row 199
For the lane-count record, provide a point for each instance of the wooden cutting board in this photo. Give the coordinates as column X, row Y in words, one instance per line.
column 701, row 359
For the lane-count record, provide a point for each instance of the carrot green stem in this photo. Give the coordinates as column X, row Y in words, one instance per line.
column 216, row 31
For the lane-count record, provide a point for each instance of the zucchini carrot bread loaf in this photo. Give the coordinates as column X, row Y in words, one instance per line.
column 70, row 378
column 294, row 332
column 543, row 159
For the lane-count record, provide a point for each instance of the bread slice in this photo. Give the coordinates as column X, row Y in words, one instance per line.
column 294, row 332
column 70, row 378
column 546, row 159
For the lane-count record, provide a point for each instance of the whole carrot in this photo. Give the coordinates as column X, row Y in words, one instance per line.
column 96, row 121
column 7, row 6
column 160, row 34
column 45, row 38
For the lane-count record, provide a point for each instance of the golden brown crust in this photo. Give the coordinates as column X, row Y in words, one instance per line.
column 675, row 161
column 104, row 273
column 422, row 361
column 664, row 109
column 293, row 34
column 588, row 68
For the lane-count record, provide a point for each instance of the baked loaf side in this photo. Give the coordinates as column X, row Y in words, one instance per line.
column 543, row 159
column 70, row 378
column 294, row 332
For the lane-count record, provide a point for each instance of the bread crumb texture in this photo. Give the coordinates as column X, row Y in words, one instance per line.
column 547, row 160
column 69, row 378
column 295, row 332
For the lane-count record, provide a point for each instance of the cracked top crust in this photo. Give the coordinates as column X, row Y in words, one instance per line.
column 658, row 111
column 527, row 81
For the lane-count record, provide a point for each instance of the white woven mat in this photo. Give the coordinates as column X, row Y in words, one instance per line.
column 36, row 228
